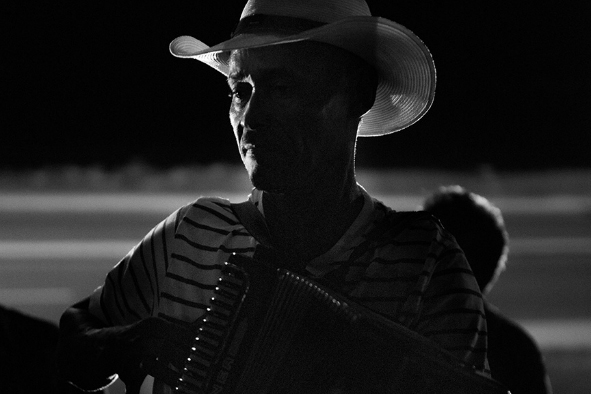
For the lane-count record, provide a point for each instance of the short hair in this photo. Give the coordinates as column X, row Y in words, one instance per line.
column 478, row 227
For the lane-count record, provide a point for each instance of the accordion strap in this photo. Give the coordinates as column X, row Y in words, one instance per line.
column 253, row 221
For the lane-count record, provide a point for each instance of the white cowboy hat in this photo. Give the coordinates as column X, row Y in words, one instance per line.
column 404, row 64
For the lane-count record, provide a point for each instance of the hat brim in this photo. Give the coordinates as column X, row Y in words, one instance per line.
column 406, row 70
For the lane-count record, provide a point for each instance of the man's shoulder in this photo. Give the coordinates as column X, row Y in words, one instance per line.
column 417, row 234
column 506, row 331
column 390, row 222
column 513, row 354
column 208, row 206
column 209, row 213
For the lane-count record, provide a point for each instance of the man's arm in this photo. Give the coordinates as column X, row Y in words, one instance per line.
column 91, row 355
column 99, row 339
column 453, row 309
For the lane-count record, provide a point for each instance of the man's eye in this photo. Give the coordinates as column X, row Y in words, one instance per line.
column 240, row 92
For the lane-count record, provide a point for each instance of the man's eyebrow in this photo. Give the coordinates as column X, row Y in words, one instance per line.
column 233, row 77
column 269, row 74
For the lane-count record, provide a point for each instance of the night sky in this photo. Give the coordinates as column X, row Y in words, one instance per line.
column 93, row 84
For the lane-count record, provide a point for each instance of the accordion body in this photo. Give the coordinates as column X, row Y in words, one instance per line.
column 271, row 330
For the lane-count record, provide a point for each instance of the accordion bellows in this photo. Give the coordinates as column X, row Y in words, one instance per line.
column 271, row 330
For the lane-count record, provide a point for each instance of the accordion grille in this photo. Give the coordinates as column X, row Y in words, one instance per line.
column 299, row 316
column 271, row 330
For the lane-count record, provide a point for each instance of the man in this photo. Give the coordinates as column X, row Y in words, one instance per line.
column 479, row 228
column 306, row 78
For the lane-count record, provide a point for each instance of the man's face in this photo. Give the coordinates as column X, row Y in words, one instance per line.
column 289, row 113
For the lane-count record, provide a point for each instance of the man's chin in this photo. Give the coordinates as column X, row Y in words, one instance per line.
column 272, row 183
column 278, row 178
column 269, row 187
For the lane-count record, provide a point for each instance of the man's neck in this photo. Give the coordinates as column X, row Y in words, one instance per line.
column 309, row 222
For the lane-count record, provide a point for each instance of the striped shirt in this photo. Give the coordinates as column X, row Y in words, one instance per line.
column 414, row 274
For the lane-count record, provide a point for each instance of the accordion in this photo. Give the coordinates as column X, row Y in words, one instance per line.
column 270, row 330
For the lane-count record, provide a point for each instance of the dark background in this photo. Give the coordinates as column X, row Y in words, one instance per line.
column 92, row 84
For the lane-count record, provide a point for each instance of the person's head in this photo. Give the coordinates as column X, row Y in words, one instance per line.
column 295, row 111
column 478, row 227
column 319, row 52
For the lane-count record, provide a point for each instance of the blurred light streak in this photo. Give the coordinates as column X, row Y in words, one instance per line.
column 167, row 203
column 65, row 249
column 550, row 245
column 116, row 249
column 557, row 204
column 560, row 334
column 531, row 205
column 97, row 202
column 37, row 296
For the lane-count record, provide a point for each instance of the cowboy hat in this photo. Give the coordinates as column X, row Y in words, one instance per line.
column 405, row 67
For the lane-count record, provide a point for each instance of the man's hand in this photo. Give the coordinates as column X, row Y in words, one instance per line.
column 90, row 353
column 133, row 346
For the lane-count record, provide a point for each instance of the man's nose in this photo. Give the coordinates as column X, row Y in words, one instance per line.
column 255, row 111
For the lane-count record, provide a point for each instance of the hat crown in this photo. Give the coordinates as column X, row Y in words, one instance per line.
column 326, row 11
column 406, row 72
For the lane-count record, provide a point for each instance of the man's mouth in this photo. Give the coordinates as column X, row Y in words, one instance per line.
column 262, row 152
column 249, row 149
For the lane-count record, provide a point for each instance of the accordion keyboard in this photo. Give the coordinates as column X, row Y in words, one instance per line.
column 215, row 329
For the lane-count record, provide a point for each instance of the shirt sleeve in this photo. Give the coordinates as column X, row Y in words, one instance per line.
column 452, row 311
column 131, row 289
